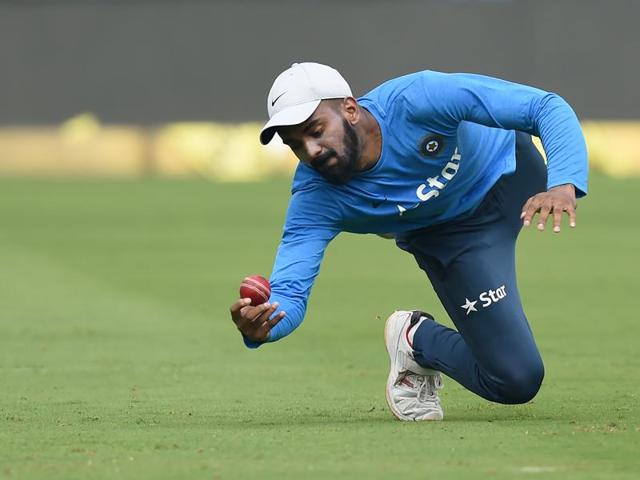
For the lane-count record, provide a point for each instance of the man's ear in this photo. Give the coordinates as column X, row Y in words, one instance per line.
column 351, row 110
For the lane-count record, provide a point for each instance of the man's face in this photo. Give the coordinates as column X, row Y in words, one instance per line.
column 326, row 142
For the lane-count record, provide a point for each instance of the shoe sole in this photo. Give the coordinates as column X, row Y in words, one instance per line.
column 392, row 359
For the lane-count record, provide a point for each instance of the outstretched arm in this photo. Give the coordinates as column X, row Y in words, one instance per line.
column 308, row 230
column 452, row 98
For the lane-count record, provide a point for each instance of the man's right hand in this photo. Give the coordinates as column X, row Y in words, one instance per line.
column 254, row 322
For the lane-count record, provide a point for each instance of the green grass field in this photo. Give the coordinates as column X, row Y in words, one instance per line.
column 118, row 358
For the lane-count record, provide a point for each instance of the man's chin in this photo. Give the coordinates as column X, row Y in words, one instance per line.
column 337, row 174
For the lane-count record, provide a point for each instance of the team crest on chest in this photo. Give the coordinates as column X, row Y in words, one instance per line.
column 431, row 144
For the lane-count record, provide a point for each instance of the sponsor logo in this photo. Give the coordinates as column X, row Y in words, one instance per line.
column 470, row 306
column 434, row 185
column 486, row 299
column 430, row 145
column 277, row 98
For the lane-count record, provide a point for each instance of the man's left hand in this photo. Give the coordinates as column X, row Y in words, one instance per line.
column 555, row 201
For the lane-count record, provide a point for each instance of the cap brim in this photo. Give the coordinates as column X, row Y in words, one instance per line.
column 289, row 116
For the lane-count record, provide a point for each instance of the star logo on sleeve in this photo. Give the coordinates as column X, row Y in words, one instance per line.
column 470, row 306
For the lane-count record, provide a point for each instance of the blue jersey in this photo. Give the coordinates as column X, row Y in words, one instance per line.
column 446, row 140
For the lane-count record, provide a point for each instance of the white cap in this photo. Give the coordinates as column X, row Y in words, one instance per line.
column 297, row 92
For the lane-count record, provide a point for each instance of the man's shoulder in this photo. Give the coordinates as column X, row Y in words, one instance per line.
column 400, row 89
column 392, row 88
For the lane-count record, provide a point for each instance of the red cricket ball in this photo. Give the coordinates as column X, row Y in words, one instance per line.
column 257, row 288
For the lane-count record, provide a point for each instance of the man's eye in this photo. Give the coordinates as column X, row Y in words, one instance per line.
column 317, row 134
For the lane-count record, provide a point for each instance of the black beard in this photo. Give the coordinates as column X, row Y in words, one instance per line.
column 347, row 164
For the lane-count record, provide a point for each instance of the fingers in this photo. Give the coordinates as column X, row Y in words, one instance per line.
column 237, row 307
column 572, row 216
column 535, row 204
column 254, row 313
column 265, row 328
column 274, row 321
column 557, row 219
column 529, row 210
column 526, row 221
column 256, row 322
column 264, row 311
column 547, row 204
column 545, row 209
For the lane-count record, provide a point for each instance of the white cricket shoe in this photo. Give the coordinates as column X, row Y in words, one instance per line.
column 412, row 390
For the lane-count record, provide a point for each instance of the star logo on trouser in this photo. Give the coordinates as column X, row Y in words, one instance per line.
column 469, row 306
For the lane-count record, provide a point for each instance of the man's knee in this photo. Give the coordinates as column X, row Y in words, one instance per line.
column 522, row 382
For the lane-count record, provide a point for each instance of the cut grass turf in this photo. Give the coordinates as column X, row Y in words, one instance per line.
column 118, row 358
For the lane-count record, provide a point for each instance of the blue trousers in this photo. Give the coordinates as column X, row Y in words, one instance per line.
column 470, row 262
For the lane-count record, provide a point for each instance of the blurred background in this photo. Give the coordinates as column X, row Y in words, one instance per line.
column 142, row 87
column 135, row 196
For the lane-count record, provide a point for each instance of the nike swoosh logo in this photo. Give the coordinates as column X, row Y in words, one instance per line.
column 277, row 98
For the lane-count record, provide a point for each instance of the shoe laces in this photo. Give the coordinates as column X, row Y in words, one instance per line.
column 427, row 386
column 429, row 389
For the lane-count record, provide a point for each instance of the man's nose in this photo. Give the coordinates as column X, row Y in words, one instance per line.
column 313, row 149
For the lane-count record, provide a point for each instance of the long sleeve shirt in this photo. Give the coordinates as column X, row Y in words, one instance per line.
column 446, row 140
